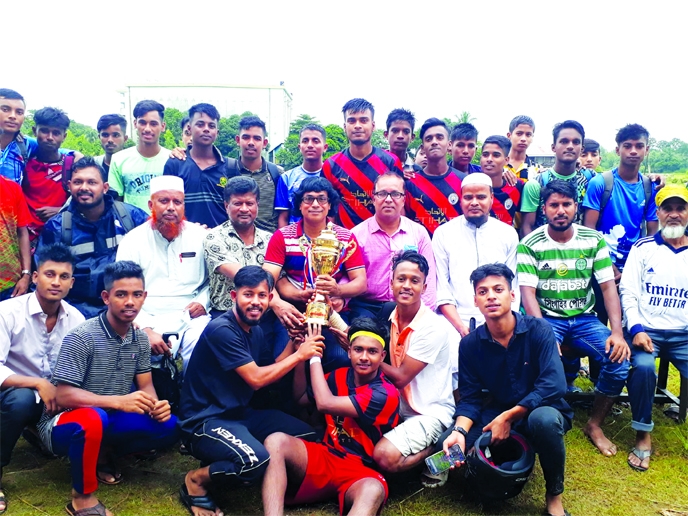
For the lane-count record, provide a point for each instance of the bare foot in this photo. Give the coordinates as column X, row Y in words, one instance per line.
column 195, row 489
column 643, row 443
column 3, row 500
column 596, row 435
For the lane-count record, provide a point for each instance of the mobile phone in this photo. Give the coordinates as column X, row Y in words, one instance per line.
column 439, row 462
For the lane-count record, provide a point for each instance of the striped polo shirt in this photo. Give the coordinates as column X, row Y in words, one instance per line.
column 95, row 358
column 561, row 272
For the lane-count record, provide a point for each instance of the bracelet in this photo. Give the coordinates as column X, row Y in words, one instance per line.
column 26, row 272
column 461, row 430
column 315, row 360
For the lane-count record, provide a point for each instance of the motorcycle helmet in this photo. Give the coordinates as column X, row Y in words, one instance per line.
column 499, row 471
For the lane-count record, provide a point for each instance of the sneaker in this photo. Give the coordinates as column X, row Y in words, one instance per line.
column 427, row 479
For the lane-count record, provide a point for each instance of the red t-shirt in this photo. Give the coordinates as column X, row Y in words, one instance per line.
column 14, row 214
column 42, row 187
column 284, row 251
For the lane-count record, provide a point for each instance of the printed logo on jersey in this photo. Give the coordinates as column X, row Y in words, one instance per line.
column 562, row 269
column 581, row 264
column 453, row 199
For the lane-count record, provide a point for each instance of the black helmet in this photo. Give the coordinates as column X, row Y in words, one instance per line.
column 499, row 472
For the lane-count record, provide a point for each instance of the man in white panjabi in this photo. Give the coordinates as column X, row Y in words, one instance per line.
column 169, row 249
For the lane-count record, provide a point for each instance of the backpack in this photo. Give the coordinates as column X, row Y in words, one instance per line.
column 609, row 185
column 546, row 176
column 233, row 167
column 121, row 213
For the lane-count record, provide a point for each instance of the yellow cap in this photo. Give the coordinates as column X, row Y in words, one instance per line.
column 670, row 191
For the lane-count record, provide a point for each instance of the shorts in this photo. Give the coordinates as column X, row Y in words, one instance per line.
column 415, row 434
column 328, row 474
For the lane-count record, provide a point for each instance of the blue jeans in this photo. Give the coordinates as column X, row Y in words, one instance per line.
column 545, row 428
column 586, row 336
column 642, row 379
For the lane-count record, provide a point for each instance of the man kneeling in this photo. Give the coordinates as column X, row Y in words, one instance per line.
column 97, row 365
column 231, row 360
column 360, row 405
column 515, row 359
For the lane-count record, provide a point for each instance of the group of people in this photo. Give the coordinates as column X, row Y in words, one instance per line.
column 464, row 301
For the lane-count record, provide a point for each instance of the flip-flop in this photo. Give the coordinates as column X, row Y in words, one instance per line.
column 108, row 469
column 642, row 455
column 566, row 513
column 3, row 500
column 202, row 502
column 672, row 412
column 96, row 510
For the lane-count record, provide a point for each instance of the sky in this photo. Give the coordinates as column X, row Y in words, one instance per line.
column 603, row 63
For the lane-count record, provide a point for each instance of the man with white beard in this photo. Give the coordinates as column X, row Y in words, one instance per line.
column 654, row 296
column 170, row 251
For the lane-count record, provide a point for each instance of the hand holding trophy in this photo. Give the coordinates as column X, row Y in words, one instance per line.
column 324, row 255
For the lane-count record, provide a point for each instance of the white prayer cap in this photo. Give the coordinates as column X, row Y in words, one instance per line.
column 477, row 178
column 160, row 183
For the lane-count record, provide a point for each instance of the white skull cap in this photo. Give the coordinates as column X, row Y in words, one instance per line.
column 477, row 178
column 160, row 183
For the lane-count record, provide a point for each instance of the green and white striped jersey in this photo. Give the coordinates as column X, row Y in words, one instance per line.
column 561, row 272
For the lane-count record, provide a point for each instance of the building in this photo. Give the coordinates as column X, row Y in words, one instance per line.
column 271, row 103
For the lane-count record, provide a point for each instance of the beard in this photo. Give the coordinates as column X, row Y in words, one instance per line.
column 360, row 141
column 170, row 230
column 477, row 221
column 672, row 232
column 92, row 203
column 244, row 318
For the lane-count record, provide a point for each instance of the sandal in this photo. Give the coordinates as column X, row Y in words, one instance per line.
column 642, row 455
column 108, row 469
column 3, row 501
column 202, row 502
column 672, row 412
column 96, row 510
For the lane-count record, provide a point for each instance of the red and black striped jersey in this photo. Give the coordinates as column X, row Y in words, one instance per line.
column 434, row 200
column 377, row 404
column 507, row 203
column 354, row 181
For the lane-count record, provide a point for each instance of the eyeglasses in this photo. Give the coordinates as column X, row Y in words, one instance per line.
column 382, row 195
column 310, row 199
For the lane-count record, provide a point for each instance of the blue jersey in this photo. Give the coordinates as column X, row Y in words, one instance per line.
column 621, row 220
column 288, row 183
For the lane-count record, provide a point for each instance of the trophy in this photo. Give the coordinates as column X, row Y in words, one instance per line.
column 324, row 255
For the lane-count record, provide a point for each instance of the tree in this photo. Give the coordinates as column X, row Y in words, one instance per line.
column 378, row 139
column 173, row 119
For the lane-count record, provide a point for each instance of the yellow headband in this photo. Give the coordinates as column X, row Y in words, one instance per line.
column 368, row 334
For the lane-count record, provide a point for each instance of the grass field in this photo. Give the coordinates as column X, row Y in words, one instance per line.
column 595, row 485
column 677, row 177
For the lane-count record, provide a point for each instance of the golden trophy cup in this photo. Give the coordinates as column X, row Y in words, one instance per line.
column 324, row 255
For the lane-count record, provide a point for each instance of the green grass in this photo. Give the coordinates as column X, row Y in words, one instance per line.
column 595, row 485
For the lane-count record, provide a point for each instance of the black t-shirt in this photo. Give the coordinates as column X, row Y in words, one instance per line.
column 212, row 388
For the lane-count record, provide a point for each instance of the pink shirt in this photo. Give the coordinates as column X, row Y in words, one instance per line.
column 379, row 248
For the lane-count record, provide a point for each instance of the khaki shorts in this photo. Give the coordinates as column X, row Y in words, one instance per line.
column 415, row 434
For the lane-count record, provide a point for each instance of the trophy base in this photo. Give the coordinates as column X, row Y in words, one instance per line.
column 318, row 312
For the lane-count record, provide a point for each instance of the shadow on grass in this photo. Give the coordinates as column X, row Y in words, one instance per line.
column 595, row 485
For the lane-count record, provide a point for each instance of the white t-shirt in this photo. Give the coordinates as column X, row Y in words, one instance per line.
column 435, row 342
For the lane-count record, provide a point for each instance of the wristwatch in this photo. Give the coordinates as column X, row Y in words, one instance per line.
column 26, row 272
column 461, row 430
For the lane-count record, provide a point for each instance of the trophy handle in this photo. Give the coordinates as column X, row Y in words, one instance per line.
column 303, row 244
